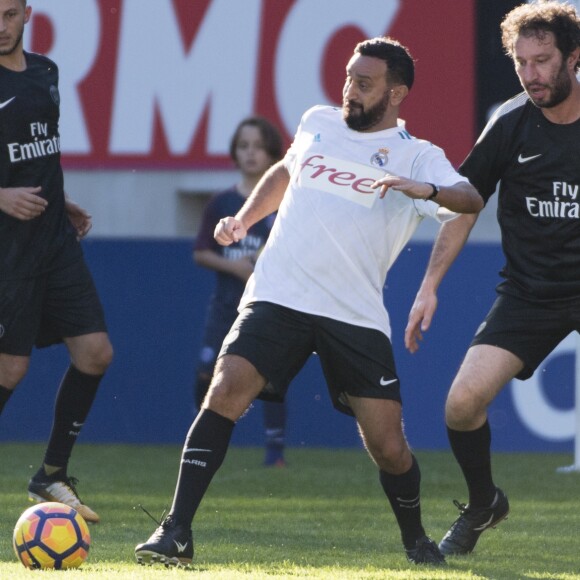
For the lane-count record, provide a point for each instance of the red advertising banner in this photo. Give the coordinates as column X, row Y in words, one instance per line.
column 163, row 83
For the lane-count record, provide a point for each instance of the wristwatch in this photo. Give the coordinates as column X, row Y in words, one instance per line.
column 435, row 191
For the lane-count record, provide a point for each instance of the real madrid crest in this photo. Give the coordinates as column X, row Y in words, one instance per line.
column 380, row 158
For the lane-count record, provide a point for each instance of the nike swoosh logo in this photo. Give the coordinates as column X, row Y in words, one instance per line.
column 385, row 383
column 483, row 526
column 522, row 159
column 180, row 547
column 77, row 424
column 196, row 449
column 2, row 105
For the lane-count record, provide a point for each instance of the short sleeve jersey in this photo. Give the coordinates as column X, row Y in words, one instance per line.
column 30, row 157
column 229, row 289
column 334, row 239
column 537, row 165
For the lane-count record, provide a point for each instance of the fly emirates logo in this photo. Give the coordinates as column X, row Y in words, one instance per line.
column 345, row 179
column 565, row 202
column 41, row 145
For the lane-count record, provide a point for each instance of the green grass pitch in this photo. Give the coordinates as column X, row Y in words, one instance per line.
column 324, row 516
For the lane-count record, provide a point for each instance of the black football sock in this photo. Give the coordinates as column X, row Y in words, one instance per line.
column 5, row 394
column 73, row 402
column 275, row 425
column 472, row 451
column 403, row 492
column 205, row 448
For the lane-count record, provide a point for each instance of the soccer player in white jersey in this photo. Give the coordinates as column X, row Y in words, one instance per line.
column 350, row 191
column 532, row 147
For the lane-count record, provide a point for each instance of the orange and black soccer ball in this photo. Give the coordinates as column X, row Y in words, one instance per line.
column 51, row 535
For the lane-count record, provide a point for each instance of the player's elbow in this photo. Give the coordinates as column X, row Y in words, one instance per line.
column 477, row 203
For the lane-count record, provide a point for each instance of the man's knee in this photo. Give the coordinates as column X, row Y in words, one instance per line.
column 392, row 455
column 92, row 353
column 100, row 355
column 105, row 355
column 226, row 390
column 12, row 370
column 462, row 407
column 235, row 384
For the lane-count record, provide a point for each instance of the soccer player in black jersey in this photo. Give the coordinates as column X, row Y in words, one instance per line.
column 46, row 291
column 531, row 146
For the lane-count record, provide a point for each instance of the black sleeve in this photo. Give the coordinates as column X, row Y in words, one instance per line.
column 483, row 166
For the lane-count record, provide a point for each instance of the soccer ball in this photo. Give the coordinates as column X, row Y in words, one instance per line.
column 51, row 535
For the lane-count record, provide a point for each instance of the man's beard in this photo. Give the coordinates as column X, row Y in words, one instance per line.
column 364, row 120
column 560, row 89
column 11, row 49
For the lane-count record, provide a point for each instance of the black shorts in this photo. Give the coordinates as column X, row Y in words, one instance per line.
column 41, row 311
column 278, row 341
column 530, row 330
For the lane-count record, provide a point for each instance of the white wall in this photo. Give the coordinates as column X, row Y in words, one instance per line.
column 145, row 203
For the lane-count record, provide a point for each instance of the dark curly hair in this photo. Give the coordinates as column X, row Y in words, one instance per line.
column 400, row 64
column 536, row 19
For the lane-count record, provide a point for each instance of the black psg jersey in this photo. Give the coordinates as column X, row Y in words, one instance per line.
column 538, row 166
column 30, row 157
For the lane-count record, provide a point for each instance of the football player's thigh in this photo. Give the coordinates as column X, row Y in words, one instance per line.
column 485, row 370
column 379, row 419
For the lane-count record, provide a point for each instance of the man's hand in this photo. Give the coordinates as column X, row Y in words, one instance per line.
column 22, row 203
column 411, row 188
column 420, row 318
column 229, row 230
column 79, row 218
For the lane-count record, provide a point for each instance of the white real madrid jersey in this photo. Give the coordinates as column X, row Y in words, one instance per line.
column 334, row 240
